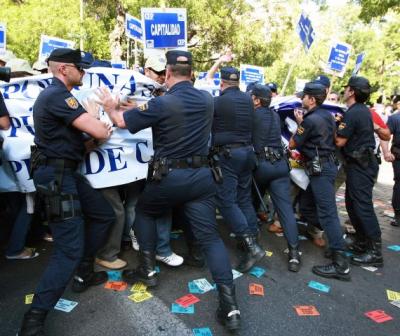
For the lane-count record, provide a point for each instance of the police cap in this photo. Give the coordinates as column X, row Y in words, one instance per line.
column 261, row 91
column 74, row 56
column 360, row 83
column 323, row 80
column 179, row 57
column 230, row 73
column 313, row 89
column 273, row 87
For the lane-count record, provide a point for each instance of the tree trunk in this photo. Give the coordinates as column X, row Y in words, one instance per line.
column 116, row 36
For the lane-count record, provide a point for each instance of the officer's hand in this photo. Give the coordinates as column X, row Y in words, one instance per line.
column 109, row 126
column 389, row 157
column 106, row 99
column 298, row 114
column 128, row 105
column 92, row 108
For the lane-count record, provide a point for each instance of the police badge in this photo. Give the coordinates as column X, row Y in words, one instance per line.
column 72, row 103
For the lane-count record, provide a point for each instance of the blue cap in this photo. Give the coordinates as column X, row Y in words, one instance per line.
column 314, row 89
column 74, row 56
column 323, row 80
column 261, row 91
column 230, row 73
column 273, row 87
column 179, row 57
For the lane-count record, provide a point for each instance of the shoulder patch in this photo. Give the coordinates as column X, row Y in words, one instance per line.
column 342, row 126
column 143, row 107
column 300, row 130
column 72, row 102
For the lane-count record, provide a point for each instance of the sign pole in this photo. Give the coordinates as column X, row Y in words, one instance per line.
column 290, row 71
column 127, row 53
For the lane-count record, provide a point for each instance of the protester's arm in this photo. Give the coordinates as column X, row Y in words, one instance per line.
column 383, row 133
column 227, row 57
column 388, row 156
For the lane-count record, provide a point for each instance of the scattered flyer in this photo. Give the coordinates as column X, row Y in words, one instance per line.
column 257, row 271
column 140, row 296
column 396, row 303
column 116, row 285
column 379, row 316
column 395, row 248
column 236, row 274
column 370, row 268
column 138, row 287
column 202, row 332
column 203, row 285
column 114, row 275
column 187, row 300
column 269, row 253
column 388, row 213
column 301, row 237
column 193, row 289
column 306, row 310
column 256, row 289
column 392, row 295
column 157, row 269
column 178, row 309
column 65, row 305
column 29, row 298
column 319, row 286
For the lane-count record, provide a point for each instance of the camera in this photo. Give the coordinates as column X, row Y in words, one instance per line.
column 5, row 74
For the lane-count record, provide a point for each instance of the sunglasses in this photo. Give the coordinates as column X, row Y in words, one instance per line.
column 80, row 69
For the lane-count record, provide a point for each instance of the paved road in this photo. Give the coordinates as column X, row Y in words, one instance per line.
column 107, row 313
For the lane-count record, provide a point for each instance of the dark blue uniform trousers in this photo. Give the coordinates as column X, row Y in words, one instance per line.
column 323, row 190
column 74, row 238
column 275, row 178
column 359, row 184
column 234, row 198
column 396, row 187
column 194, row 190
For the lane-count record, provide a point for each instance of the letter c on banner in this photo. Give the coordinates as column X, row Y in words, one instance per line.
column 100, row 160
column 139, row 152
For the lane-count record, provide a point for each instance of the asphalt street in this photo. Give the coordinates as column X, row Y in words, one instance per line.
column 105, row 312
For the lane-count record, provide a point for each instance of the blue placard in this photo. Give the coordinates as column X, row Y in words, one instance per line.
column 359, row 60
column 48, row 44
column 338, row 57
column 118, row 64
column 305, row 31
column 133, row 28
column 2, row 37
column 251, row 74
column 164, row 28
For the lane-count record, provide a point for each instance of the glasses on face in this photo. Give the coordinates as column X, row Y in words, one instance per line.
column 80, row 69
column 158, row 73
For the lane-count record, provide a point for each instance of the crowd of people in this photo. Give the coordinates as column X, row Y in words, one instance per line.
column 211, row 155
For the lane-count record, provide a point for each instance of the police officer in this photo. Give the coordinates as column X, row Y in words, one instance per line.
column 356, row 136
column 273, row 171
column 315, row 138
column 60, row 122
column 179, row 175
column 232, row 141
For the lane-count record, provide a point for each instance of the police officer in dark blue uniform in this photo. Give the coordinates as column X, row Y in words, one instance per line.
column 179, row 175
column 272, row 173
column 356, row 136
column 60, row 122
column 232, row 141
column 315, row 138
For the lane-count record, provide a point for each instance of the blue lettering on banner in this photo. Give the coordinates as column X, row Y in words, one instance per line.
column 139, row 152
column 88, row 165
column 113, row 159
column 130, row 86
column 16, row 124
column 17, row 166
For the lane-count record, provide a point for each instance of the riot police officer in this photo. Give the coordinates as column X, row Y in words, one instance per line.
column 232, row 141
column 356, row 136
column 179, row 175
column 272, row 173
column 315, row 138
column 60, row 122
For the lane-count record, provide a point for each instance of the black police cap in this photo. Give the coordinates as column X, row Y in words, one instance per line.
column 360, row 83
column 179, row 57
column 261, row 91
column 323, row 80
column 314, row 89
column 273, row 87
column 230, row 73
column 74, row 56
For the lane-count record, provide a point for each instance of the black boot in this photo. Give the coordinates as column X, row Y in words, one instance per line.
column 195, row 255
column 373, row 255
column 356, row 244
column 396, row 221
column 85, row 276
column 253, row 253
column 228, row 312
column 145, row 272
column 294, row 259
column 338, row 269
column 33, row 323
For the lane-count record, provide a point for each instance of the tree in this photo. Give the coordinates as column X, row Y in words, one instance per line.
column 372, row 8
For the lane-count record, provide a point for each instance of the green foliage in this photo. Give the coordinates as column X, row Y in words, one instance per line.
column 376, row 8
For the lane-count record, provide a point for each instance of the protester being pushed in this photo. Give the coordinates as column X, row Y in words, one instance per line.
column 78, row 215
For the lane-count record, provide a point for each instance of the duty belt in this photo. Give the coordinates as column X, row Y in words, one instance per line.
column 231, row 146
column 324, row 159
column 270, row 154
column 195, row 161
column 67, row 163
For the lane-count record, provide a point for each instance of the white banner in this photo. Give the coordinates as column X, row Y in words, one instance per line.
column 120, row 160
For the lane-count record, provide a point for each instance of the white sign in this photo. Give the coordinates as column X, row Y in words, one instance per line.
column 48, row 44
column 250, row 74
column 338, row 58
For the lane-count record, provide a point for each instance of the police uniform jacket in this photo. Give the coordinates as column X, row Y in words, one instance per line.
column 233, row 118
column 53, row 113
column 394, row 126
column 180, row 120
column 267, row 129
column 316, row 133
column 3, row 108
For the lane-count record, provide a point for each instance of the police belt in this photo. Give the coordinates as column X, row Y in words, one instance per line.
column 270, row 154
column 324, row 159
column 72, row 164
column 195, row 161
column 220, row 148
